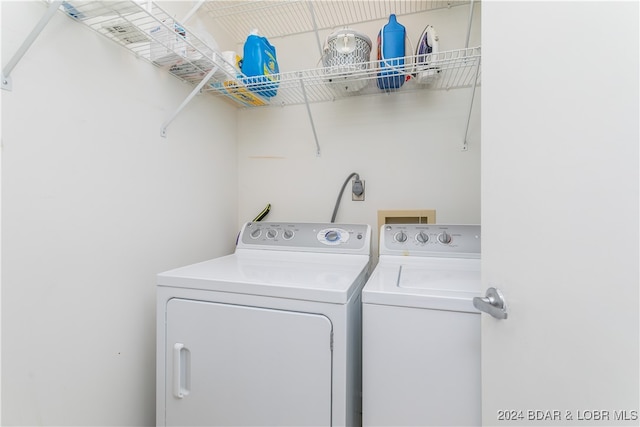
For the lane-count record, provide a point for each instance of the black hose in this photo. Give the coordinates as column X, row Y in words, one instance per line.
column 335, row 209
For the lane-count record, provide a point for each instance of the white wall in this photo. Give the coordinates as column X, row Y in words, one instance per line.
column 94, row 204
column 406, row 146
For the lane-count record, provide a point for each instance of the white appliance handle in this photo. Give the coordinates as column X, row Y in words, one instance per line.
column 181, row 372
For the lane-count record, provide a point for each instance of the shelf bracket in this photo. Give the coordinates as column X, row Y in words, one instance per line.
column 315, row 28
column 313, row 127
column 163, row 130
column 6, row 71
column 466, row 46
column 465, row 145
column 192, row 12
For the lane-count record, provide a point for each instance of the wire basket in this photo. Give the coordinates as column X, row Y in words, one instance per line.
column 346, row 59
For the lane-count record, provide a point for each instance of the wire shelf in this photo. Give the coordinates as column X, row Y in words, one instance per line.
column 147, row 31
column 278, row 18
column 443, row 71
column 152, row 34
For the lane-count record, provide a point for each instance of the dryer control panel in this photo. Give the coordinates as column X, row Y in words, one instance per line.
column 307, row 237
column 436, row 240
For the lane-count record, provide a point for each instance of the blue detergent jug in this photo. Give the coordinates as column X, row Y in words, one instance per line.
column 260, row 65
column 391, row 55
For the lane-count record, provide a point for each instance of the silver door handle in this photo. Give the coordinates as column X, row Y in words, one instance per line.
column 493, row 303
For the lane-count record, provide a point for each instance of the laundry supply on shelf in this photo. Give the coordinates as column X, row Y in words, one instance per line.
column 259, row 65
column 426, row 54
column 228, row 63
column 391, row 54
column 168, row 43
column 72, row 11
column 346, row 59
column 236, row 90
column 229, row 80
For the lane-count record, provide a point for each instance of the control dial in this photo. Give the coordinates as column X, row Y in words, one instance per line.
column 332, row 236
column 422, row 237
column 444, row 237
column 271, row 234
column 287, row 235
column 255, row 233
column 400, row 236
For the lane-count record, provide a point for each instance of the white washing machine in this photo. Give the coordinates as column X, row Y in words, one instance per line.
column 421, row 332
column 269, row 335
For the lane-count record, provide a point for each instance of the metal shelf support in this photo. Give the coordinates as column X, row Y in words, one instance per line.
column 465, row 145
column 163, row 130
column 313, row 127
column 193, row 10
column 6, row 71
column 469, row 26
column 315, row 28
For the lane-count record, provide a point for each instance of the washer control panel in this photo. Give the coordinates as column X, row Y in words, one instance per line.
column 310, row 237
column 455, row 240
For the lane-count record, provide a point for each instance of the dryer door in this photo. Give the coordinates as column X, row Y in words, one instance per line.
column 238, row 365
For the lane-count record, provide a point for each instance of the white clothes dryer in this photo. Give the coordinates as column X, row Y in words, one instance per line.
column 269, row 335
column 421, row 332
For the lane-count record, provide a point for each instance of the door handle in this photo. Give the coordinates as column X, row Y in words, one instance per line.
column 493, row 303
column 181, row 371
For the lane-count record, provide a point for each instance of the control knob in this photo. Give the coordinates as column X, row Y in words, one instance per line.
column 271, row 234
column 288, row 234
column 255, row 233
column 422, row 237
column 444, row 237
column 332, row 236
column 400, row 236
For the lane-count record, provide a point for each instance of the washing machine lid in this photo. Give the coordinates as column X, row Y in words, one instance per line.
column 332, row 278
column 419, row 282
